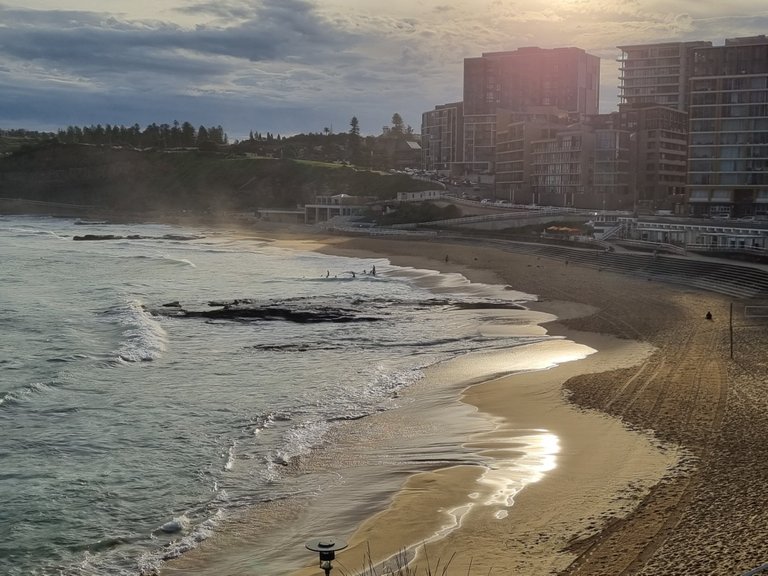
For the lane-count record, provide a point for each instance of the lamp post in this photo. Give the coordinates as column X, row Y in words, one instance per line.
column 326, row 548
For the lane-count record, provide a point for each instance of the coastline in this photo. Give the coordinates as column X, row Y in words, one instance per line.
column 592, row 482
column 686, row 392
column 702, row 519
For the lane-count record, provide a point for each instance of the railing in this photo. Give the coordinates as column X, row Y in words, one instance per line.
column 661, row 246
column 755, row 251
column 611, row 232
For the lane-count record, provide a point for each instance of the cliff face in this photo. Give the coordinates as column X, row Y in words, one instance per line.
column 140, row 180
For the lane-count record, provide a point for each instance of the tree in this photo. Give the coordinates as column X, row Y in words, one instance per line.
column 397, row 123
column 355, row 155
column 354, row 127
column 188, row 135
column 202, row 135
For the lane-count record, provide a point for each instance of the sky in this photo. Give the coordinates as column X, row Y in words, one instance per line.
column 292, row 66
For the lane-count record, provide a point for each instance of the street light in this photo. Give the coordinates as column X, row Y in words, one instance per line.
column 326, row 548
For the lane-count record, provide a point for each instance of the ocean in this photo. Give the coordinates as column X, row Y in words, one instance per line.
column 176, row 388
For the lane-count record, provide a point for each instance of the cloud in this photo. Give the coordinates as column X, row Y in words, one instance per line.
column 332, row 58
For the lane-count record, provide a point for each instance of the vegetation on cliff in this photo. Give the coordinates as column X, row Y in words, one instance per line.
column 138, row 180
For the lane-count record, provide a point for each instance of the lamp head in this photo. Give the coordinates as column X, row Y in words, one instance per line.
column 326, row 547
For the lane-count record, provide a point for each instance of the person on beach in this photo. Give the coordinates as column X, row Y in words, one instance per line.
column 709, row 315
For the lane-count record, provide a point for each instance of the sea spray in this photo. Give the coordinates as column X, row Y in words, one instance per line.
column 143, row 338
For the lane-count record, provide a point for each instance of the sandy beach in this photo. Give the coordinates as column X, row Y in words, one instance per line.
column 615, row 506
column 661, row 436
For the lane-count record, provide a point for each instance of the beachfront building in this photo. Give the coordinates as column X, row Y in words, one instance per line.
column 479, row 147
column 564, row 78
column 442, row 132
column 658, row 156
column 698, row 234
column 562, row 167
column 516, row 133
column 657, row 73
column 610, row 188
column 325, row 208
column 728, row 125
column 584, row 165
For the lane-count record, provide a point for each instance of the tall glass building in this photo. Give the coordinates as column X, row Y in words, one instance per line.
column 728, row 129
column 656, row 73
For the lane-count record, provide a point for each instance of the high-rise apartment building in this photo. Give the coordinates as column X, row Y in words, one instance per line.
column 566, row 78
column 442, row 137
column 562, row 167
column 659, row 152
column 518, row 80
column 657, row 73
column 728, row 129
column 515, row 136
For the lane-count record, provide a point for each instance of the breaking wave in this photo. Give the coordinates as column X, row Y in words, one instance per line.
column 143, row 338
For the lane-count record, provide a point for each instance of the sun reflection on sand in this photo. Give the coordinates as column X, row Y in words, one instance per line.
column 531, row 456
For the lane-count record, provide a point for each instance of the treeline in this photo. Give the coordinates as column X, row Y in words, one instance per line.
column 176, row 135
column 22, row 133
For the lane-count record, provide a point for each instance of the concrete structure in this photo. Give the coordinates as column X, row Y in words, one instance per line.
column 442, row 136
column 516, row 133
column 705, row 235
column 326, row 207
column 285, row 216
column 657, row 73
column 728, row 127
column 518, row 80
column 420, row 196
column 562, row 167
column 394, row 150
column 479, row 145
column 611, row 174
column 658, row 157
column 566, row 78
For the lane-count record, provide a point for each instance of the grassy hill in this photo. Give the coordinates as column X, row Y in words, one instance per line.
column 11, row 141
column 135, row 181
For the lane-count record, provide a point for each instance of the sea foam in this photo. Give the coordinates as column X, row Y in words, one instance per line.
column 144, row 339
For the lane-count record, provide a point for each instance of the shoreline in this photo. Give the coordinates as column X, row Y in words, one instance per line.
column 687, row 392
column 591, row 441
column 703, row 519
column 696, row 521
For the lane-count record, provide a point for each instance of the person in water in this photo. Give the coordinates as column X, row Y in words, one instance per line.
column 373, row 271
